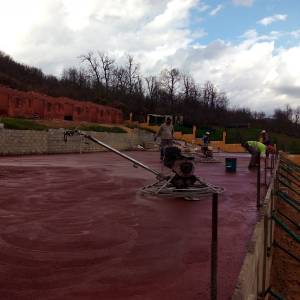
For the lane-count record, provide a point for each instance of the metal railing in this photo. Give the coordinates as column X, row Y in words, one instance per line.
column 284, row 186
column 282, row 178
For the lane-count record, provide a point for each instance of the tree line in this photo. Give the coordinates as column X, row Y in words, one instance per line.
column 99, row 78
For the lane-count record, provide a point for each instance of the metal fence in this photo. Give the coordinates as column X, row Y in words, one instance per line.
column 282, row 176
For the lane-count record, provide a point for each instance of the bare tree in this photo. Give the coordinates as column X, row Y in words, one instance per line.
column 258, row 115
column 107, row 65
column 288, row 112
column 297, row 115
column 210, row 93
column 138, row 86
column 76, row 77
column 119, row 80
column 191, row 92
column 152, row 89
column 94, row 66
column 152, row 86
column 221, row 101
column 132, row 73
column 169, row 80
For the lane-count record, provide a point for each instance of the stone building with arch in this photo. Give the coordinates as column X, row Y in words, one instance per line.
column 14, row 103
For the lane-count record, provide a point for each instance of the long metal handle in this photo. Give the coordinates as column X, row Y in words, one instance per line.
column 136, row 162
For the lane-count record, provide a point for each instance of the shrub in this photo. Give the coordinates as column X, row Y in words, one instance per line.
column 21, row 124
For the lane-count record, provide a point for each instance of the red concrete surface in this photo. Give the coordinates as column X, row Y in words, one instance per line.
column 14, row 103
column 74, row 227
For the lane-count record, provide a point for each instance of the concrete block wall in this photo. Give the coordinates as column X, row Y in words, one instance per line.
column 56, row 143
column 249, row 282
column 18, row 142
column 23, row 142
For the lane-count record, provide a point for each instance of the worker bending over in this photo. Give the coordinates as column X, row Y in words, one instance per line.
column 257, row 150
column 165, row 132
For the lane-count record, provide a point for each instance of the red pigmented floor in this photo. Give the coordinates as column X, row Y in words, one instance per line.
column 74, row 227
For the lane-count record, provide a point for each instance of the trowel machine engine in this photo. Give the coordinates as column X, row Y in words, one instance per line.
column 183, row 166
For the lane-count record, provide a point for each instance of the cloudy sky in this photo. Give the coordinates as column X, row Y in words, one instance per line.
column 249, row 48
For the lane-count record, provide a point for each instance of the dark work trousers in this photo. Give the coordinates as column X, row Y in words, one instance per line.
column 254, row 157
column 163, row 145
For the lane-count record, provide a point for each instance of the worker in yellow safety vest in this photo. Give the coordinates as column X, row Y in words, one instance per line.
column 256, row 149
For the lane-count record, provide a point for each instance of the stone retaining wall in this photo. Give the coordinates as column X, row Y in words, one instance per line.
column 18, row 142
column 22, row 142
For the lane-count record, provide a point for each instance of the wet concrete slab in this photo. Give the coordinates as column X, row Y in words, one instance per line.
column 75, row 227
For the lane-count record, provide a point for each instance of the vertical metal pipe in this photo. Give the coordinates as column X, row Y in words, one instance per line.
column 272, row 163
column 265, row 174
column 214, row 249
column 258, row 182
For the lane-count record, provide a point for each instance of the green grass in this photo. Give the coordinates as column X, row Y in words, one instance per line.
column 98, row 128
column 21, row 124
column 25, row 124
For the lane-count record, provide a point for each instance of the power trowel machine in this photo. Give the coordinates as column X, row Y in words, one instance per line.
column 180, row 182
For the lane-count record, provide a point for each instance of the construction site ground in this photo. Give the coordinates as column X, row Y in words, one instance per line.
column 75, row 227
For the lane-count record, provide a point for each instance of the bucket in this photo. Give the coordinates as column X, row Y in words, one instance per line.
column 230, row 164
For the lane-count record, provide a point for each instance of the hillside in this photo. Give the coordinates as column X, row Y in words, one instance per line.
column 99, row 79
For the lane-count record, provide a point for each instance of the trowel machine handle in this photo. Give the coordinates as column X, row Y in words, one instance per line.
column 136, row 163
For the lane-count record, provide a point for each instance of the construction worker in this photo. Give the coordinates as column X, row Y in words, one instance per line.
column 264, row 138
column 256, row 149
column 206, row 141
column 165, row 132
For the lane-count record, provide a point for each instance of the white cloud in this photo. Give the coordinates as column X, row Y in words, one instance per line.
column 295, row 33
column 243, row 2
column 51, row 34
column 251, row 37
column 253, row 73
column 216, row 10
column 202, row 7
column 176, row 11
column 16, row 24
column 269, row 20
column 59, row 31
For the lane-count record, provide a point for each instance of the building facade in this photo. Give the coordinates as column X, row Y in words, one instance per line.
column 14, row 103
